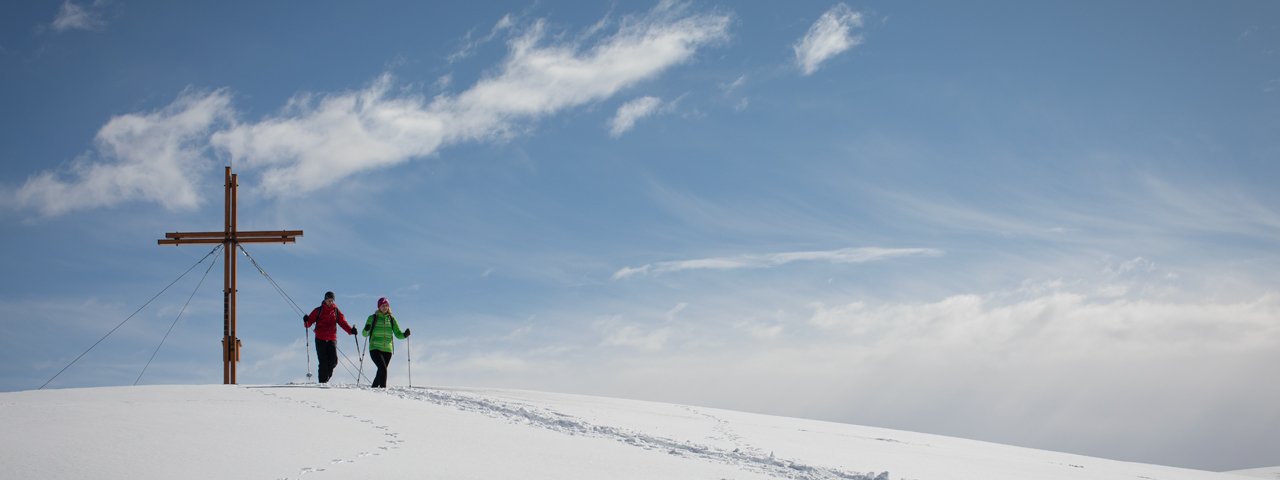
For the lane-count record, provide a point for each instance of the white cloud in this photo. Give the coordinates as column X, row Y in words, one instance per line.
column 729, row 89
column 493, row 362
column 504, row 23
column 1204, row 207
column 828, row 37
column 736, row 84
column 631, row 112
column 671, row 314
column 1080, row 368
column 1171, row 213
column 598, row 27
column 139, row 156
column 316, row 142
column 768, row 260
column 1057, row 323
column 76, row 17
column 469, row 46
column 761, row 331
column 619, row 333
column 1138, row 264
column 444, row 82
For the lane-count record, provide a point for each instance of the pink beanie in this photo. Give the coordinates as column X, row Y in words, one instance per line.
column 383, row 301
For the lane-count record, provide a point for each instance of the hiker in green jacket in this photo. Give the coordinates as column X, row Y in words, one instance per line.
column 380, row 327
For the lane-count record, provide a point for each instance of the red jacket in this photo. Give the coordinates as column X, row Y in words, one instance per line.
column 326, row 319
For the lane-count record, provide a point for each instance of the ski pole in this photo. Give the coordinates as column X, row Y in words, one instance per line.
column 360, row 370
column 306, row 335
column 408, row 351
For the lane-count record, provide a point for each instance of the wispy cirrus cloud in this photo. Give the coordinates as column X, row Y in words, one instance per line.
column 631, row 112
column 470, row 44
column 828, row 37
column 769, row 260
column 734, row 85
column 77, row 17
column 731, row 88
column 1171, row 211
column 317, row 140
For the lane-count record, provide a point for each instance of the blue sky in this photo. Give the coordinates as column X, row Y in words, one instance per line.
column 1046, row 224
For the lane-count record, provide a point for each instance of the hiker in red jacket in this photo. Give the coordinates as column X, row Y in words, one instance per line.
column 327, row 318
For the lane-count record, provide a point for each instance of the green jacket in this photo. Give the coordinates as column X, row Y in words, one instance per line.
column 383, row 327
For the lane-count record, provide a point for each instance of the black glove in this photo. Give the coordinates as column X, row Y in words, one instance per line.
column 353, row 331
column 304, row 319
column 368, row 327
column 406, row 333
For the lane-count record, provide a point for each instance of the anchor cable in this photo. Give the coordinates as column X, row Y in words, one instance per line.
column 175, row 320
column 135, row 312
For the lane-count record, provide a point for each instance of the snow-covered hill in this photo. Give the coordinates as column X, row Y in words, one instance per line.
column 1269, row 473
column 273, row 432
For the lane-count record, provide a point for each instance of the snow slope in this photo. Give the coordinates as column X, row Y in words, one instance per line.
column 1269, row 473
column 296, row 431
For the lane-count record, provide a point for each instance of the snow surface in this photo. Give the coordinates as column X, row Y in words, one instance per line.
column 312, row 432
column 1269, row 473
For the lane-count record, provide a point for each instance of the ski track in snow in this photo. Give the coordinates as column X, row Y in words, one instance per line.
column 721, row 427
column 744, row 456
column 391, row 439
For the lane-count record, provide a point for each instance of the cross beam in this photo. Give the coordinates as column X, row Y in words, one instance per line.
column 272, row 236
column 230, row 237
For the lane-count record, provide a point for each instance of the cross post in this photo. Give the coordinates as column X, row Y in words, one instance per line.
column 230, row 238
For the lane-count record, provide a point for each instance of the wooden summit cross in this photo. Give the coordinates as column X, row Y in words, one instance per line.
column 230, row 238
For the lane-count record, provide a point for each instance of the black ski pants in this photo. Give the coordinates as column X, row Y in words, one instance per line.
column 327, row 352
column 382, row 360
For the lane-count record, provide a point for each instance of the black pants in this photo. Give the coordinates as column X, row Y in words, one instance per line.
column 327, row 352
column 382, row 360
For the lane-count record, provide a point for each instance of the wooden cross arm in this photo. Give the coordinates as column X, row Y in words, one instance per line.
column 238, row 234
column 191, row 241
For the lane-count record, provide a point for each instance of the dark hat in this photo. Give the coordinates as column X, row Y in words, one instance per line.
column 328, row 295
column 383, row 301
